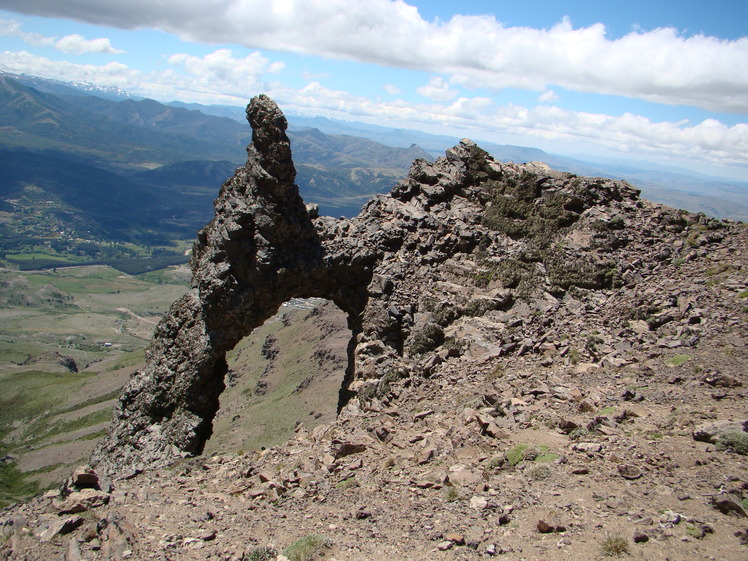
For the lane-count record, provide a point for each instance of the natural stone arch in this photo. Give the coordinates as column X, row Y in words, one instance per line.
column 299, row 355
column 413, row 265
column 260, row 250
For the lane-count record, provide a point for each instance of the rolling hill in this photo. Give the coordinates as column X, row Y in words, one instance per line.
column 136, row 171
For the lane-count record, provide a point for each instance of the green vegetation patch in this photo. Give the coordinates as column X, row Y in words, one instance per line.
column 517, row 454
column 14, row 486
column 345, row 484
column 307, row 548
column 734, row 441
column 516, row 212
column 678, row 360
column 615, row 546
column 527, row 452
column 260, row 554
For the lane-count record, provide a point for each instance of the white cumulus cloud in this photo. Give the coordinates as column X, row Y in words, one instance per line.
column 437, row 89
column 660, row 65
column 79, row 45
column 195, row 79
column 709, row 141
column 222, row 67
column 71, row 44
column 548, row 96
column 200, row 83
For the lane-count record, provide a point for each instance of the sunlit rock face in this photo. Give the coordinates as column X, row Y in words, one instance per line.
column 442, row 266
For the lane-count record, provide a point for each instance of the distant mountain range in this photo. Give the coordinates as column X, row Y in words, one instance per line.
column 77, row 169
column 133, row 170
column 675, row 187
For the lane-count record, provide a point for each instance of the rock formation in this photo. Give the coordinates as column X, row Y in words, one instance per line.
column 541, row 366
column 428, row 271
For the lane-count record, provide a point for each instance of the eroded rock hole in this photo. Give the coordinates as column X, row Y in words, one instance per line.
column 289, row 370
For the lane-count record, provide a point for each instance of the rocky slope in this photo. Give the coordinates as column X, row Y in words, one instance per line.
column 541, row 365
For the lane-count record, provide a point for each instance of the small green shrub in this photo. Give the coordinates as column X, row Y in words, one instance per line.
column 306, row 548
column 540, row 472
column 695, row 532
column 678, row 360
column 516, row 454
column 260, row 554
column 574, row 356
column 546, row 457
column 615, row 546
column 429, row 337
column 734, row 441
column 451, row 495
column 525, row 452
column 579, row 433
column 349, row 483
column 718, row 270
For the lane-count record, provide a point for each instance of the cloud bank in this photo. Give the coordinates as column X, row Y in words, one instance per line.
column 476, row 51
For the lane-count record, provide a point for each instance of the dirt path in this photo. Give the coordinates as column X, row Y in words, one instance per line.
column 136, row 316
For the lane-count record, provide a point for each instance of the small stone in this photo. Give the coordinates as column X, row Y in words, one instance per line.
column 455, row 537
column 423, row 414
column 208, row 535
column 628, row 471
column 710, row 432
column 640, row 537
column 73, row 551
column 544, row 527
column 478, row 503
column 445, row 546
column 362, row 514
column 461, row 476
column 83, row 500
column 342, row 449
column 586, row 406
column 670, row 518
column 728, row 504
column 85, row 477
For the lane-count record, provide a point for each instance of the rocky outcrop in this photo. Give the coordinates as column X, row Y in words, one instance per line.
column 466, row 256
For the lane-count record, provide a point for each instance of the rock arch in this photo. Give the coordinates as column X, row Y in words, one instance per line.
column 416, row 265
column 260, row 250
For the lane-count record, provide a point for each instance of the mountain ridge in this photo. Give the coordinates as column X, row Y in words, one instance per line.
column 539, row 365
column 716, row 196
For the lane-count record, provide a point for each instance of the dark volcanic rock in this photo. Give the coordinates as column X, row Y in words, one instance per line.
column 465, row 256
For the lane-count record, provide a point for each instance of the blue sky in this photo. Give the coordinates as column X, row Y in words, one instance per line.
column 663, row 80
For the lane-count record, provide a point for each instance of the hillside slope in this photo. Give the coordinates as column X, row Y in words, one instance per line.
column 540, row 366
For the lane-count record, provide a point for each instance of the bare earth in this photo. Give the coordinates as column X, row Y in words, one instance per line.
column 616, row 447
